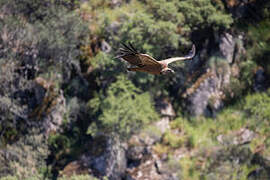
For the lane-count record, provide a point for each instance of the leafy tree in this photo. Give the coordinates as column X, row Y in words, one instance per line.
column 201, row 14
column 150, row 34
column 166, row 24
column 165, row 10
column 123, row 111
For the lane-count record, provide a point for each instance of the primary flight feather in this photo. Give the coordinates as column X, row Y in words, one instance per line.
column 148, row 64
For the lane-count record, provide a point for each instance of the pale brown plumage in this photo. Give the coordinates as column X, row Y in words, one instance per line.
column 148, row 64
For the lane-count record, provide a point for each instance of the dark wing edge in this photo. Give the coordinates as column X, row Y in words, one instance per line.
column 130, row 54
column 126, row 51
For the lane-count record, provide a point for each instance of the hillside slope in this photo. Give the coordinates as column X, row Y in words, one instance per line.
column 70, row 110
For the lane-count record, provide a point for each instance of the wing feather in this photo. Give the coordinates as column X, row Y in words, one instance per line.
column 130, row 54
column 148, row 59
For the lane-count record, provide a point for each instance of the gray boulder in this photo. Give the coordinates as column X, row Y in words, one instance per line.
column 110, row 162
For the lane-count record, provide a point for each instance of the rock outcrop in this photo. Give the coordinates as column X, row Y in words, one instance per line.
column 206, row 95
column 50, row 106
column 105, row 158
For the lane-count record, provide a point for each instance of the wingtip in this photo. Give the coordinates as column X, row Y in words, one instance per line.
column 129, row 47
column 123, row 44
column 193, row 51
column 132, row 47
column 193, row 47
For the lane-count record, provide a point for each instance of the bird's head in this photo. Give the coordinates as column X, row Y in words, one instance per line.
column 167, row 71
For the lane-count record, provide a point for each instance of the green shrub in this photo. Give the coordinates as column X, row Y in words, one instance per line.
column 149, row 34
column 58, row 142
column 173, row 140
column 229, row 119
column 199, row 132
column 124, row 110
column 165, row 10
column 258, row 106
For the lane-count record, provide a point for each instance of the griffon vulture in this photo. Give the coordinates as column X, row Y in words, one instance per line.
column 148, row 64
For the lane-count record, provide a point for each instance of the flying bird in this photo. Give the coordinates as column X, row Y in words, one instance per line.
column 146, row 63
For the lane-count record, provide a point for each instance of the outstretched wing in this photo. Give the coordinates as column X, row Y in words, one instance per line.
column 190, row 55
column 130, row 54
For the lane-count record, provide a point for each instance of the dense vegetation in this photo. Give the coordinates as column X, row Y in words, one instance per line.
column 62, row 92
